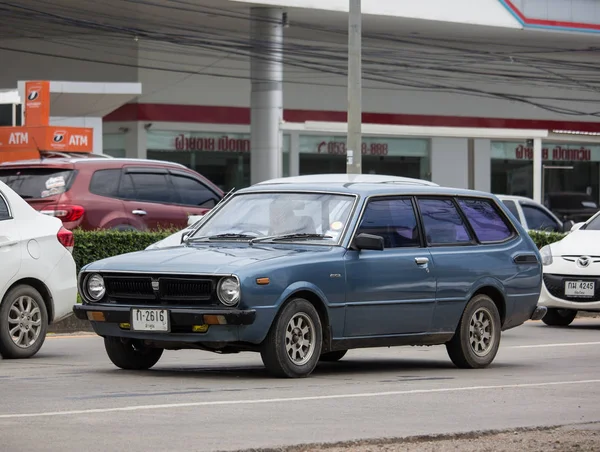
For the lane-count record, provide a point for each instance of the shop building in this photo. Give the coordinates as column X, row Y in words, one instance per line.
column 245, row 93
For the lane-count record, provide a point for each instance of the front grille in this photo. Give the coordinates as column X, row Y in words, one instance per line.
column 160, row 289
column 556, row 286
column 129, row 287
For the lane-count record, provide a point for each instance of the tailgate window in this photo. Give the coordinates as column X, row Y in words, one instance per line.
column 37, row 183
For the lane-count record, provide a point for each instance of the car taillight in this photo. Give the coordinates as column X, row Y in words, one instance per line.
column 66, row 213
column 66, row 238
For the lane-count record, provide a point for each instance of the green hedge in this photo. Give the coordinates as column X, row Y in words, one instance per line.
column 91, row 246
column 96, row 245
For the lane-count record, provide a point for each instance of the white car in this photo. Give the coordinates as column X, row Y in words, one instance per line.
column 571, row 274
column 533, row 216
column 38, row 277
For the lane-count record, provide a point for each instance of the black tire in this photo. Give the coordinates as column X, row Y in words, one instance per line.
column 460, row 348
column 559, row 317
column 274, row 351
column 331, row 357
column 130, row 354
column 35, row 322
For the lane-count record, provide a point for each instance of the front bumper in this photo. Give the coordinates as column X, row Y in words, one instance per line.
column 181, row 319
column 555, row 297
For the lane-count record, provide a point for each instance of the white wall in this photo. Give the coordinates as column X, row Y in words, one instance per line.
column 480, row 12
column 449, row 162
column 482, row 165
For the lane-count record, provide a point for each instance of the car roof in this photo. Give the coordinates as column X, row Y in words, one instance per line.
column 363, row 184
column 98, row 161
column 344, row 178
column 516, row 198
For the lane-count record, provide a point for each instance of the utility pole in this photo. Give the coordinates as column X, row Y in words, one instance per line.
column 353, row 141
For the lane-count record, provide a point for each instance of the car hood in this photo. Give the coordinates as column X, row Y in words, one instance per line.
column 200, row 258
column 578, row 243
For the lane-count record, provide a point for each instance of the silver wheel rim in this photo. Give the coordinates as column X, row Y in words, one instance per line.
column 24, row 322
column 300, row 339
column 481, row 332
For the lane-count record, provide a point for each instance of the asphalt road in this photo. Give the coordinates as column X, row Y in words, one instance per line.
column 71, row 398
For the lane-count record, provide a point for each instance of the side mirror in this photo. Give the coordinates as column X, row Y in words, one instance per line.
column 568, row 225
column 368, row 242
column 577, row 226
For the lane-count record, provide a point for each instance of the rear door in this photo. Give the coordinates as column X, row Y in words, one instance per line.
column 40, row 186
column 149, row 199
column 195, row 197
column 10, row 247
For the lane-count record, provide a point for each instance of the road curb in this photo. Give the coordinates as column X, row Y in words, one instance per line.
column 70, row 325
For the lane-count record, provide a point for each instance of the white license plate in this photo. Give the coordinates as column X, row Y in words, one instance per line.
column 580, row 288
column 150, row 320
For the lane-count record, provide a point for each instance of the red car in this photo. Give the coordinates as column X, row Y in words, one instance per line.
column 106, row 193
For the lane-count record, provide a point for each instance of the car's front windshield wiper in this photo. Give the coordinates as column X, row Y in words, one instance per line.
column 298, row 236
column 227, row 235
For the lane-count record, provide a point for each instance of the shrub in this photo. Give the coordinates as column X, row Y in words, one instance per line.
column 542, row 239
column 91, row 246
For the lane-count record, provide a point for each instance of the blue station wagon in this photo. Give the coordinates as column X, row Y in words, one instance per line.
column 303, row 269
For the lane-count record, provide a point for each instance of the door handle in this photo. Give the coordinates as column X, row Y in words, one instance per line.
column 421, row 260
column 138, row 212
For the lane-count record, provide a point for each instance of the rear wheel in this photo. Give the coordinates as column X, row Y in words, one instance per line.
column 293, row 345
column 333, row 356
column 559, row 317
column 477, row 337
column 23, row 323
column 131, row 354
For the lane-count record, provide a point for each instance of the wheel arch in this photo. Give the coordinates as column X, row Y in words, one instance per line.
column 319, row 304
column 41, row 288
column 496, row 296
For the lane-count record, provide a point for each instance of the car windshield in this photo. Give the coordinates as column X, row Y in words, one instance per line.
column 36, row 183
column 593, row 225
column 284, row 216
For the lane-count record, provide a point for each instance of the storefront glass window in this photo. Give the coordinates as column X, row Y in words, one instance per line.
column 113, row 144
column 223, row 158
column 380, row 155
column 568, row 168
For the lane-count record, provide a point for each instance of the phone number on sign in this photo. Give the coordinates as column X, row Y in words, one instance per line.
column 339, row 148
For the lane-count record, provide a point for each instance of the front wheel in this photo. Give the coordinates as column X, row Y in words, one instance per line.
column 23, row 323
column 559, row 317
column 131, row 355
column 477, row 337
column 293, row 345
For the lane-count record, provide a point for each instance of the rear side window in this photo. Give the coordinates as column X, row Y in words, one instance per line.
column 105, row 182
column 487, row 221
column 149, row 187
column 192, row 192
column 512, row 207
column 36, row 183
column 4, row 211
column 392, row 219
column 443, row 223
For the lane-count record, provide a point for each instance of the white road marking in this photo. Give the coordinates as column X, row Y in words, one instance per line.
column 565, row 344
column 292, row 399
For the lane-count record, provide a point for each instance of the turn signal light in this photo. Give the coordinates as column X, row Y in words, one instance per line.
column 215, row 320
column 262, row 281
column 96, row 316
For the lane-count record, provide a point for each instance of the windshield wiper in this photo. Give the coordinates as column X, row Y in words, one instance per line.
column 228, row 235
column 298, row 236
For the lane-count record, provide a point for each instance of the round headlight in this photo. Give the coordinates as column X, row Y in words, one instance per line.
column 95, row 287
column 229, row 291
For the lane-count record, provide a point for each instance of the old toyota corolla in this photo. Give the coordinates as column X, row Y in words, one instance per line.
column 304, row 269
